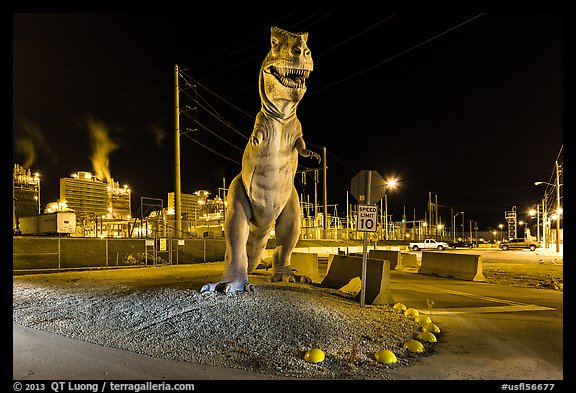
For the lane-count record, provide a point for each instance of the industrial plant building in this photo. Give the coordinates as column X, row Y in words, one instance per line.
column 91, row 197
column 25, row 192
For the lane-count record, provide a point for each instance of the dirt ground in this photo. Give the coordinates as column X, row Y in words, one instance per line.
column 547, row 275
column 185, row 278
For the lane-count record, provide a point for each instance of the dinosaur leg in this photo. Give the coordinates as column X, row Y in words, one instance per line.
column 236, row 230
column 257, row 240
column 287, row 234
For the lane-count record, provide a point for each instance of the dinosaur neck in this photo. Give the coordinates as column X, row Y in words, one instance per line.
column 281, row 110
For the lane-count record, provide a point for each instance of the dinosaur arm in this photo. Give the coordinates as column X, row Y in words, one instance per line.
column 259, row 133
column 300, row 146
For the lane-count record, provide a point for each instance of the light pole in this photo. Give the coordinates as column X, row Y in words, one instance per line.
column 558, row 208
column 454, row 225
column 501, row 234
column 523, row 223
column 390, row 183
column 537, row 214
column 37, row 180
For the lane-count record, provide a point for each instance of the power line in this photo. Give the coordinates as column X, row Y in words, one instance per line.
column 395, row 56
column 356, row 35
column 212, row 150
column 215, row 134
column 358, row 73
column 232, row 105
column 227, row 50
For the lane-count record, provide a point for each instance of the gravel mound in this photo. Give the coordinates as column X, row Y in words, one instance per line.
column 266, row 331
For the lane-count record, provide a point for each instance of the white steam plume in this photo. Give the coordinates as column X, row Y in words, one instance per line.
column 102, row 146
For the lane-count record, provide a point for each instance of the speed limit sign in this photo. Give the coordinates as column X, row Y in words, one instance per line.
column 366, row 219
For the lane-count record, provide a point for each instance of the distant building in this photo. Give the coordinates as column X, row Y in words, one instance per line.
column 90, row 197
column 85, row 194
column 192, row 205
column 26, row 192
column 119, row 201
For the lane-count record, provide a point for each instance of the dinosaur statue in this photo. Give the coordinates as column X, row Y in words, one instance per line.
column 263, row 194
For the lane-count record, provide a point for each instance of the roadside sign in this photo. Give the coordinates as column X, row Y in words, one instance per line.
column 368, row 187
column 366, row 220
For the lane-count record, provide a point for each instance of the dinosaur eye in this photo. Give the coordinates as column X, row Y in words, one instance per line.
column 274, row 41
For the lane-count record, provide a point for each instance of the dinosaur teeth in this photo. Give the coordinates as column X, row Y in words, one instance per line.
column 291, row 77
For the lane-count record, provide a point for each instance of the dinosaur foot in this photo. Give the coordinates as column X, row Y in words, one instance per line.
column 228, row 287
column 290, row 278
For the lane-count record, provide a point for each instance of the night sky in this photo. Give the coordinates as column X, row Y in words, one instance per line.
column 468, row 106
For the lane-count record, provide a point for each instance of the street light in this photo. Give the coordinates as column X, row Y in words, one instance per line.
column 454, row 226
column 525, row 224
column 390, row 183
column 558, row 208
column 536, row 213
column 501, row 234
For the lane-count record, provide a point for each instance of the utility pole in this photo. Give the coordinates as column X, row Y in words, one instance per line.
column 453, row 224
column 325, row 216
column 347, row 214
column 315, row 195
column 545, row 236
column 386, row 215
column 404, row 223
column 177, row 184
column 557, row 208
column 429, row 212
column 436, row 217
column 223, row 202
column 382, row 216
column 538, row 222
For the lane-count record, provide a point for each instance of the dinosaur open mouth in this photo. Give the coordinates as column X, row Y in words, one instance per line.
column 290, row 77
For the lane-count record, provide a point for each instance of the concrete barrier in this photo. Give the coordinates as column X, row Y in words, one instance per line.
column 386, row 255
column 408, row 260
column 302, row 263
column 306, row 264
column 443, row 264
column 343, row 268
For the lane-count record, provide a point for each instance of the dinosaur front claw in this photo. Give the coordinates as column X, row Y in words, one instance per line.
column 292, row 278
column 288, row 278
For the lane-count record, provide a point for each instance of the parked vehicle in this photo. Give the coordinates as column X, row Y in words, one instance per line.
column 429, row 244
column 461, row 244
column 520, row 244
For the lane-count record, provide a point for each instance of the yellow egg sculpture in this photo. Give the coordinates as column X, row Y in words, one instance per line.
column 314, row 355
column 414, row 346
column 385, row 356
column 399, row 307
column 423, row 319
column 427, row 336
column 431, row 327
column 411, row 312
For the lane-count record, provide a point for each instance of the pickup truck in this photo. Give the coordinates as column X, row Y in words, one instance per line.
column 429, row 244
column 520, row 243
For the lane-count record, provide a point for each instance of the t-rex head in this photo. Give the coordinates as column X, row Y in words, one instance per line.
column 284, row 71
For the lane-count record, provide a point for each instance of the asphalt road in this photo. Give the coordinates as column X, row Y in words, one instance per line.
column 489, row 332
